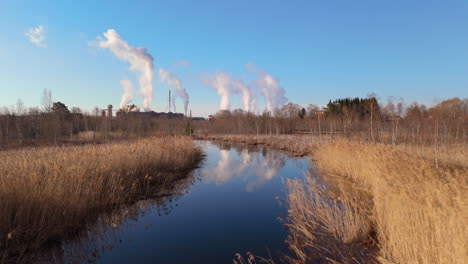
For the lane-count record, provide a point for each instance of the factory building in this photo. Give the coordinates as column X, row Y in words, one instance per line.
column 132, row 110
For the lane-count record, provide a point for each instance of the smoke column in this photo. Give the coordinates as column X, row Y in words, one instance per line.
column 175, row 82
column 247, row 96
column 225, row 86
column 127, row 96
column 269, row 87
column 174, row 105
column 138, row 57
column 222, row 83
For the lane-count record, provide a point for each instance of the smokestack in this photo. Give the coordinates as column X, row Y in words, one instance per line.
column 169, row 101
column 109, row 111
column 175, row 83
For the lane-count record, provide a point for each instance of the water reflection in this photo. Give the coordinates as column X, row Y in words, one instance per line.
column 105, row 233
column 254, row 164
column 267, row 169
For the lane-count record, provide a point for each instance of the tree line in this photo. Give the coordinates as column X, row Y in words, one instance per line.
column 55, row 124
column 364, row 118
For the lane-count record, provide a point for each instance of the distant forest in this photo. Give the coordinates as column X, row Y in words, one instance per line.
column 367, row 118
column 364, row 118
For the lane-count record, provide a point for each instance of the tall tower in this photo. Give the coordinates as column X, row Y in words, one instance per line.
column 169, row 101
column 109, row 111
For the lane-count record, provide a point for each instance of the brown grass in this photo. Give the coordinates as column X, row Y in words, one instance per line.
column 49, row 193
column 417, row 200
column 91, row 135
column 324, row 230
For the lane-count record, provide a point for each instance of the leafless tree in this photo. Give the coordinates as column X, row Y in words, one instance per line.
column 47, row 101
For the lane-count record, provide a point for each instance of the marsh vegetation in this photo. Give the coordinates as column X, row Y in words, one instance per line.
column 406, row 202
column 50, row 193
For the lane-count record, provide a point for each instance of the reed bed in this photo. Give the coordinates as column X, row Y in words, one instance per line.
column 414, row 200
column 325, row 230
column 49, row 193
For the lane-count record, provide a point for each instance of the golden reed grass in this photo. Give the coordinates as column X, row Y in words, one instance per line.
column 416, row 202
column 324, row 230
column 48, row 193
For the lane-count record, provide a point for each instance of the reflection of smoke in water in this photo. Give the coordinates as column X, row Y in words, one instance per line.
column 223, row 170
column 256, row 169
column 267, row 169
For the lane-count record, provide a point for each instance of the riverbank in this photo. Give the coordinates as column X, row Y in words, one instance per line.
column 378, row 202
column 50, row 193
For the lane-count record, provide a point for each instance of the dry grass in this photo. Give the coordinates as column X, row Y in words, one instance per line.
column 91, row 135
column 324, row 230
column 49, row 193
column 418, row 197
column 250, row 258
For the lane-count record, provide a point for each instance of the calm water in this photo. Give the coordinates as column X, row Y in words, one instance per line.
column 230, row 205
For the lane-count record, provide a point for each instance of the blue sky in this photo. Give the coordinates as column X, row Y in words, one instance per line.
column 319, row 50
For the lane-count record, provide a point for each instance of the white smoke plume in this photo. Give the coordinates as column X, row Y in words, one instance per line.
column 127, row 95
column 138, row 57
column 175, row 82
column 225, row 85
column 269, row 87
column 222, row 83
column 247, row 95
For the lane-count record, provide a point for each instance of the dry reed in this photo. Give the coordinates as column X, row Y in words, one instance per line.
column 49, row 193
column 418, row 197
column 324, row 230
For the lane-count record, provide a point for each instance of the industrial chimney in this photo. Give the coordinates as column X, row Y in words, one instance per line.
column 169, row 101
column 109, row 111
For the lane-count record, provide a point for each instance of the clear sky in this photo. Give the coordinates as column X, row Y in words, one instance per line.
column 318, row 50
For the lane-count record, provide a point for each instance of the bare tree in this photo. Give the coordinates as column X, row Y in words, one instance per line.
column 46, row 101
column 373, row 105
column 20, row 108
column 311, row 109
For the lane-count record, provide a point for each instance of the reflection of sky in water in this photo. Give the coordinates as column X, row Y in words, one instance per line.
column 255, row 167
column 230, row 209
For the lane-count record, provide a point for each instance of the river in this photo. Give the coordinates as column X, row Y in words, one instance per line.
column 231, row 204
